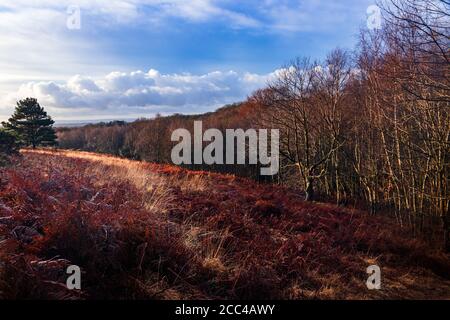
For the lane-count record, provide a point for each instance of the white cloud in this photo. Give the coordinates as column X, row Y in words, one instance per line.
column 205, row 10
column 36, row 45
column 138, row 92
column 134, row 11
column 312, row 15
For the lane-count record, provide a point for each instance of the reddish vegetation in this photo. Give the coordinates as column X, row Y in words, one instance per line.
column 144, row 231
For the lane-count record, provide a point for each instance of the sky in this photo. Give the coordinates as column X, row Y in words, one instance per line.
column 124, row 59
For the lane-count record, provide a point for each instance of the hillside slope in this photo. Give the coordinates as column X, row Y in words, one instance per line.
column 144, row 231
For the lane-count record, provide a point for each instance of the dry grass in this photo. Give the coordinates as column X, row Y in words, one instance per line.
column 145, row 231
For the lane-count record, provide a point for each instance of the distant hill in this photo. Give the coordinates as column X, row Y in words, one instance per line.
column 82, row 123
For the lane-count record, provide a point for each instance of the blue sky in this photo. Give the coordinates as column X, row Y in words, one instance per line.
column 130, row 58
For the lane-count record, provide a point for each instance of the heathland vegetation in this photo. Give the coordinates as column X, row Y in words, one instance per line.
column 146, row 231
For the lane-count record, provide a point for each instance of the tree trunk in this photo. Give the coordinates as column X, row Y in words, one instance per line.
column 446, row 221
column 309, row 190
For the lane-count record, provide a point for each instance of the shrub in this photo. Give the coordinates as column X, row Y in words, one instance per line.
column 8, row 146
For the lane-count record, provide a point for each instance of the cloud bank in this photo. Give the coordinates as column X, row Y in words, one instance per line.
column 138, row 92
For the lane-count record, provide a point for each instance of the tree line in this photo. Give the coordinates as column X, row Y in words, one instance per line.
column 150, row 139
column 374, row 124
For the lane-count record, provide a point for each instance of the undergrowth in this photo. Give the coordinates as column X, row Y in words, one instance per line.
column 145, row 231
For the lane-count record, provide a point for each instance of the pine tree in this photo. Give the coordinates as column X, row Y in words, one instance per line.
column 31, row 124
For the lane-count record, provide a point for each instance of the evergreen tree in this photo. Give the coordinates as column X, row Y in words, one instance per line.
column 31, row 124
